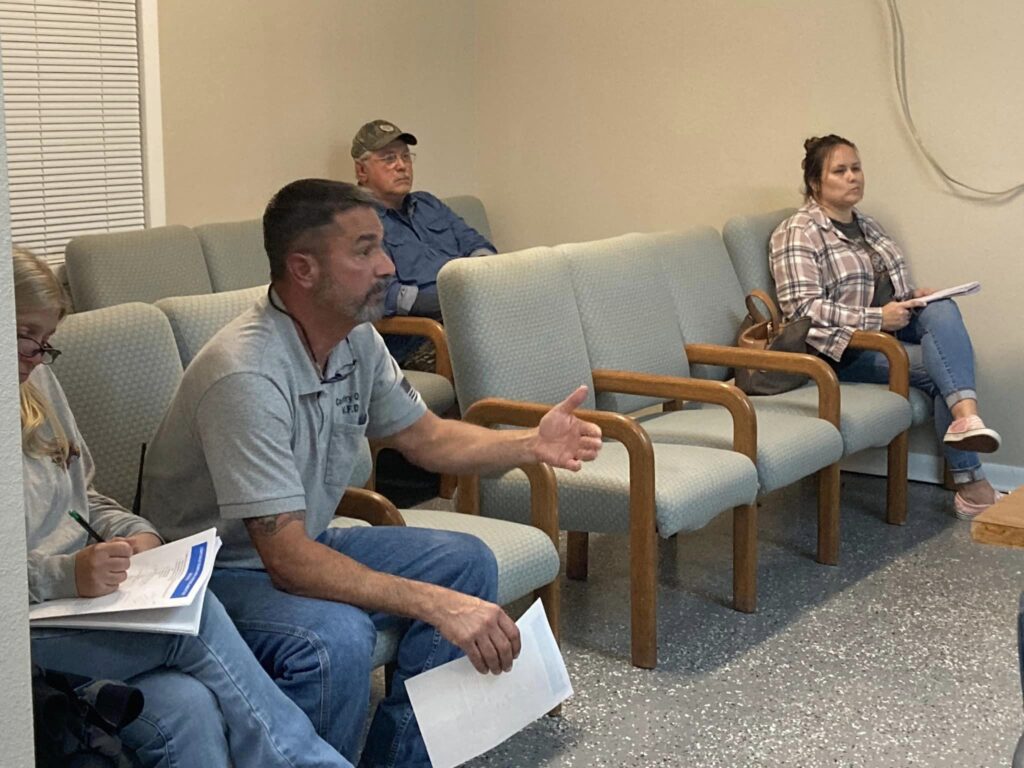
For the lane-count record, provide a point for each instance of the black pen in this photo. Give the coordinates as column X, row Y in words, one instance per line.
column 88, row 528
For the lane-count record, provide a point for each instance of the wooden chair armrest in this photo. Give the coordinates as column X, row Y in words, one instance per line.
column 793, row 362
column 494, row 411
column 408, row 325
column 744, row 421
column 888, row 345
column 369, row 506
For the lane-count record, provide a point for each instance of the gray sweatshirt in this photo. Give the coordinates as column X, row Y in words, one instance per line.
column 51, row 490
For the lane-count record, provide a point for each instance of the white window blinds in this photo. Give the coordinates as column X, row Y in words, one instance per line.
column 72, row 99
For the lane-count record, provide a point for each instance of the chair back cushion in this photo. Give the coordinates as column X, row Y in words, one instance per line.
column 195, row 319
column 472, row 211
column 705, row 292
column 141, row 265
column 119, row 368
column 513, row 328
column 628, row 317
column 746, row 239
column 234, row 254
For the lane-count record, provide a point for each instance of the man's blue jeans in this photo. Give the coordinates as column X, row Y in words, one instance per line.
column 319, row 651
column 264, row 728
column 944, row 369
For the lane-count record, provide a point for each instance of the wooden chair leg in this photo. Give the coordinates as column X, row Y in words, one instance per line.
column 643, row 568
column 576, row 551
column 896, row 501
column 446, row 487
column 744, row 558
column 828, row 515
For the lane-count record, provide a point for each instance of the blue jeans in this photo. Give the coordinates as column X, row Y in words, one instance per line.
column 319, row 651
column 179, row 725
column 263, row 727
column 944, row 370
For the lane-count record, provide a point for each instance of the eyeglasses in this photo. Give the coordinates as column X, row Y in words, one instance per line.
column 344, row 372
column 29, row 348
column 390, row 160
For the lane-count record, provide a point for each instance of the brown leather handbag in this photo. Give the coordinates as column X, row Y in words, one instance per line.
column 769, row 333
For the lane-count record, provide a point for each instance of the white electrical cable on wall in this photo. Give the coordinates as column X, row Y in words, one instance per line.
column 899, row 64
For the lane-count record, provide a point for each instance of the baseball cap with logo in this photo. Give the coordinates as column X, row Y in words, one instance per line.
column 378, row 134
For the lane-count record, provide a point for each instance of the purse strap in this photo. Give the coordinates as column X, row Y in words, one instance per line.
column 755, row 313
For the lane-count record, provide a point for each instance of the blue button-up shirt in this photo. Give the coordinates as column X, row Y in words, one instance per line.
column 421, row 237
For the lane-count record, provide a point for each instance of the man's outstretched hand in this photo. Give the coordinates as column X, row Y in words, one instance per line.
column 564, row 440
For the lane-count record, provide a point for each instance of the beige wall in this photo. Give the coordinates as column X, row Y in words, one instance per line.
column 599, row 117
column 257, row 93
column 580, row 119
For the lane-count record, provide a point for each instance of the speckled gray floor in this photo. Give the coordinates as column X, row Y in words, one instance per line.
column 904, row 655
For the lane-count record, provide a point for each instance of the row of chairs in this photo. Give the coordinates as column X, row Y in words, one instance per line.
column 648, row 321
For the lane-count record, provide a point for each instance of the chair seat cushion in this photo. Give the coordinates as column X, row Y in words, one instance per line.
column 790, row 446
column 921, row 406
column 870, row 417
column 692, row 486
column 527, row 558
column 386, row 648
column 437, row 391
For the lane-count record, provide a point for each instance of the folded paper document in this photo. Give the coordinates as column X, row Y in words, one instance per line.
column 164, row 592
column 957, row 290
column 462, row 713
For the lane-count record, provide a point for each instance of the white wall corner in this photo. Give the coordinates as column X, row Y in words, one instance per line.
column 152, row 114
column 16, row 703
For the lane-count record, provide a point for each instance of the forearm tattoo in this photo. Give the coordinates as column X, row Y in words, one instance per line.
column 271, row 524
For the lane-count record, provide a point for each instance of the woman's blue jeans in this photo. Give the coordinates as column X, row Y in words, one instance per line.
column 944, row 370
column 206, row 696
column 319, row 651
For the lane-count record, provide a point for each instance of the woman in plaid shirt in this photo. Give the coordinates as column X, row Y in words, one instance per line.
column 836, row 265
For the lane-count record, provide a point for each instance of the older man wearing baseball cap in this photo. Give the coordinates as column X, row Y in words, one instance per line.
column 421, row 234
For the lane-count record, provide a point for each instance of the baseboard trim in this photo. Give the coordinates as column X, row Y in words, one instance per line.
column 927, row 468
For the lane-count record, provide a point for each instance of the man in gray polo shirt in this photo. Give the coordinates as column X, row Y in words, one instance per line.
column 260, row 441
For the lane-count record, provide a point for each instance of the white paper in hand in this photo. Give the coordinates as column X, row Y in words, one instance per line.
column 462, row 713
column 957, row 290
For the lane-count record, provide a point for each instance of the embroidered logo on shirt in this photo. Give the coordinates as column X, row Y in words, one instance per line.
column 348, row 403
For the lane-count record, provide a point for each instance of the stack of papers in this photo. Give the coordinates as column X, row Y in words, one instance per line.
column 164, row 592
column 462, row 713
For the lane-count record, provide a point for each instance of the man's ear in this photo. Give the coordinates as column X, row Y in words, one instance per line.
column 360, row 172
column 303, row 268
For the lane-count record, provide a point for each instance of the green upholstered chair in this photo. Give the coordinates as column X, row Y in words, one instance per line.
column 119, row 368
column 139, row 265
column 640, row 330
column 518, row 346
column 234, row 254
column 871, row 416
column 472, row 211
